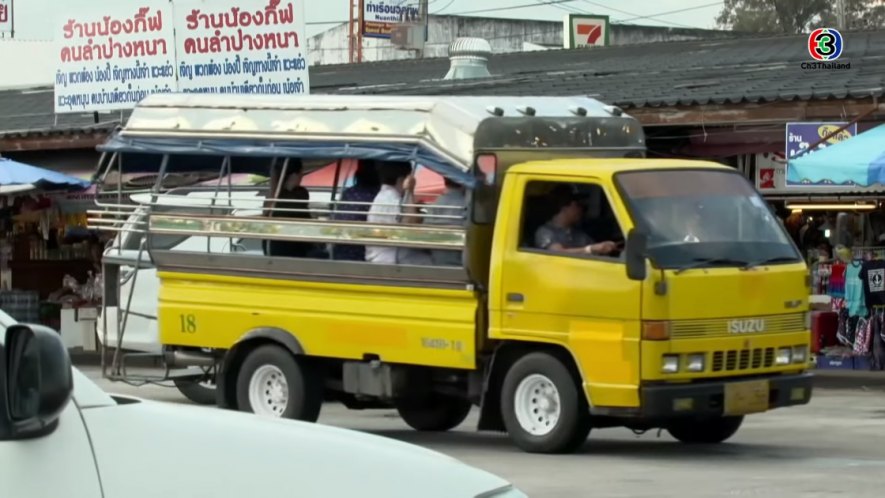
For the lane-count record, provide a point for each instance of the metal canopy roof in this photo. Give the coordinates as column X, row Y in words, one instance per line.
column 445, row 126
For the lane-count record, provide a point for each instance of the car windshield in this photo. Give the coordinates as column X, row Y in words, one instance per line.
column 696, row 217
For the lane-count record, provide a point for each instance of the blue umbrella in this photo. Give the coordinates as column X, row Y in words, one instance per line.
column 859, row 160
column 13, row 173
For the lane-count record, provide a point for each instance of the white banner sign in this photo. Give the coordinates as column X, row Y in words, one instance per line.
column 380, row 16
column 245, row 47
column 6, row 16
column 113, row 57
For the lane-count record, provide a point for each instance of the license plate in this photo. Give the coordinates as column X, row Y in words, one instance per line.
column 742, row 398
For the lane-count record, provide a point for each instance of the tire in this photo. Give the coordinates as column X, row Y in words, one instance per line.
column 200, row 393
column 436, row 413
column 290, row 387
column 705, row 431
column 562, row 432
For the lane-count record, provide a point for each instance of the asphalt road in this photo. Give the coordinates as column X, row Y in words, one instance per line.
column 833, row 447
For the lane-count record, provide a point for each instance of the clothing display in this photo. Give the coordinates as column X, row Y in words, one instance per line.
column 857, row 291
column 873, row 276
column 855, row 301
column 836, row 284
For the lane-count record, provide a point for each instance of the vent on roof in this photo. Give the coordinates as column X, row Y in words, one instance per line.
column 469, row 59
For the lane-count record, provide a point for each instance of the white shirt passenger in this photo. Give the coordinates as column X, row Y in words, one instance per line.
column 387, row 209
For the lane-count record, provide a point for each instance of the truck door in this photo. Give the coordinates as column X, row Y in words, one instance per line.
column 583, row 302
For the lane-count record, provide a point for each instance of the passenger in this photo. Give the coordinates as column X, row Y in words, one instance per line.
column 365, row 188
column 295, row 197
column 561, row 234
column 454, row 196
column 397, row 189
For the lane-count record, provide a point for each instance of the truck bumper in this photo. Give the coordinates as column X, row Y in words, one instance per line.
column 709, row 398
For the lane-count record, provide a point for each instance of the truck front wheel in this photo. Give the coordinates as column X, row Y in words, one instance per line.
column 434, row 413
column 273, row 383
column 705, row 431
column 542, row 407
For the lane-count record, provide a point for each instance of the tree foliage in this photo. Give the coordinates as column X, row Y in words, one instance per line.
column 798, row 16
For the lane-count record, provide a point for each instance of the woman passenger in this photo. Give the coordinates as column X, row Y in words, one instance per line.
column 294, row 197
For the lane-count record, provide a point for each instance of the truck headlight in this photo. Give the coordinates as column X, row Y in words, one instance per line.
column 670, row 363
column 800, row 354
column 784, row 356
column 695, row 362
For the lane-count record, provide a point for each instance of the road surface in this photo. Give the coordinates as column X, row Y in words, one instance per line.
column 833, row 447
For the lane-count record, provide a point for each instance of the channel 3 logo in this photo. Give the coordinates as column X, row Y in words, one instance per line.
column 825, row 44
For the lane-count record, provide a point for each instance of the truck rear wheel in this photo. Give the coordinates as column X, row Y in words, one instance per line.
column 274, row 383
column 201, row 393
column 705, row 431
column 542, row 407
column 435, row 413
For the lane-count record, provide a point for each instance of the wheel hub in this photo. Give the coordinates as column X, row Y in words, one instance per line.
column 268, row 391
column 537, row 405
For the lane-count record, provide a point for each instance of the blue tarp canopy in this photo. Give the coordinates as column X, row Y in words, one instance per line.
column 859, row 160
column 144, row 155
column 14, row 173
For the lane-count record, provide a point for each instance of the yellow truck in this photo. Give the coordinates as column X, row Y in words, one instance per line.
column 597, row 287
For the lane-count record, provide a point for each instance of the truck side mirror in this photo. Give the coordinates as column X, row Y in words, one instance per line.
column 635, row 253
column 39, row 382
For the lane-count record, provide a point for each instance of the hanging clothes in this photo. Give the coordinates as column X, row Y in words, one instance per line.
column 863, row 337
column 855, row 300
column 836, row 284
column 877, row 330
column 873, row 276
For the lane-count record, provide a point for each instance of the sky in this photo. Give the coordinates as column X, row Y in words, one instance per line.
column 31, row 15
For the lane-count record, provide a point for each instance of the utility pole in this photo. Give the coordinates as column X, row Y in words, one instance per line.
column 424, row 15
column 355, row 31
column 840, row 14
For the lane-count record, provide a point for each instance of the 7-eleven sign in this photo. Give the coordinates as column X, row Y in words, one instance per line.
column 585, row 31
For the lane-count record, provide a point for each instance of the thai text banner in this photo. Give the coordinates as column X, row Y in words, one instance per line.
column 380, row 16
column 252, row 47
column 111, row 58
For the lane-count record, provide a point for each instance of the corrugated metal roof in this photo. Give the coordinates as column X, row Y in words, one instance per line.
column 764, row 69
column 26, row 112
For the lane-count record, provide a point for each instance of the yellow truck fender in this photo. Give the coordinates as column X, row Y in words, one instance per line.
column 229, row 368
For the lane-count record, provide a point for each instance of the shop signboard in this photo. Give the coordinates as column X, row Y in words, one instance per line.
column 582, row 31
column 379, row 17
column 242, row 47
column 800, row 136
column 6, row 24
column 112, row 56
column 771, row 179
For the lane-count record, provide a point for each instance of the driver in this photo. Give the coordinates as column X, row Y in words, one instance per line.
column 562, row 233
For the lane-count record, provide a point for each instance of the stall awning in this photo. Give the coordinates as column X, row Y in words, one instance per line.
column 857, row 161
column 18, row 177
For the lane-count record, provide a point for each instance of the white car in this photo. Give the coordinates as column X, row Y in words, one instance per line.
column 102, row 446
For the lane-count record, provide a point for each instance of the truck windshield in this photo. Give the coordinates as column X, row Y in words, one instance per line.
column 698, row 218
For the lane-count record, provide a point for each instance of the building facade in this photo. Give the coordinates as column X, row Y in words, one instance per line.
column 504, row 35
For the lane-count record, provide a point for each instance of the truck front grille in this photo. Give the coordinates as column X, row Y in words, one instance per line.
column 742, row 359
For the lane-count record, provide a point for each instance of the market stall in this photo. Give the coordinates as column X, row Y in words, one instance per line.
column 48, row 260
column 846, row 250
